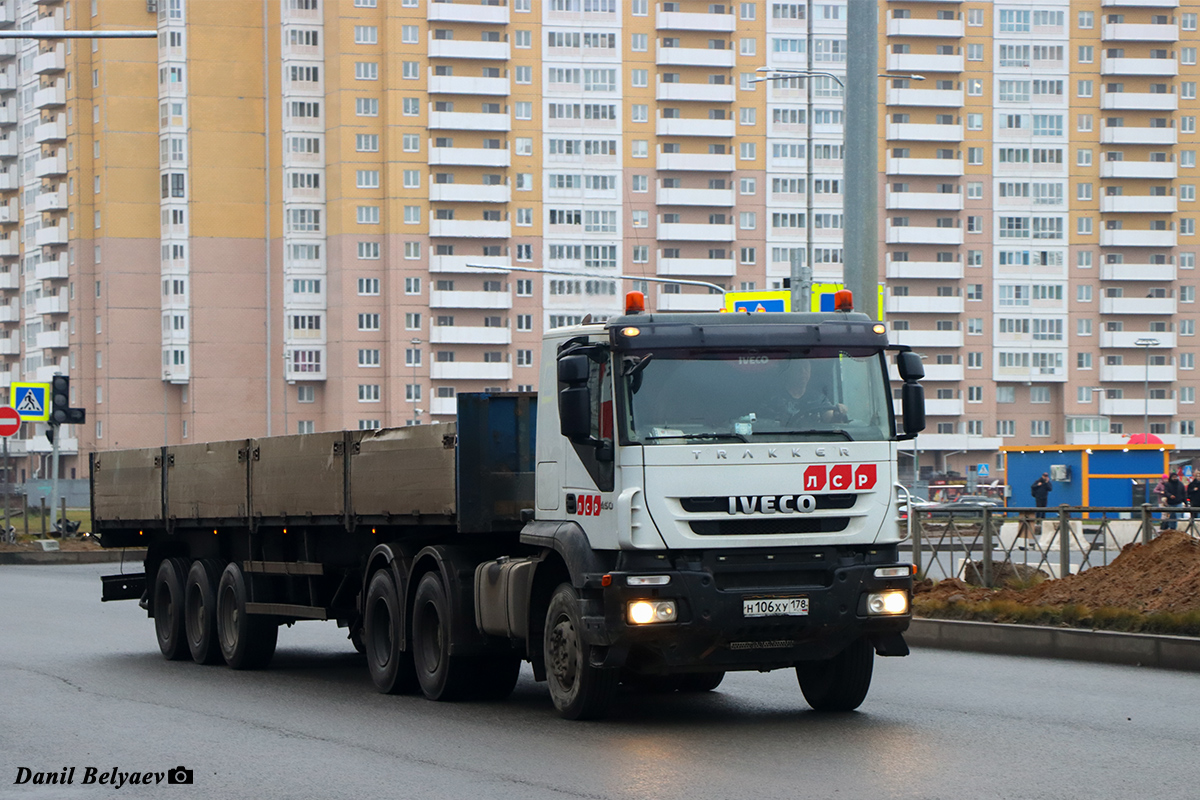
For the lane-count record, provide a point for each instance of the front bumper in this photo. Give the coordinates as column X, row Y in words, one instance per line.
column 711, row 631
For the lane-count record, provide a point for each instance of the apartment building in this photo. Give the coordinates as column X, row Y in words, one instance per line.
column 268, row 220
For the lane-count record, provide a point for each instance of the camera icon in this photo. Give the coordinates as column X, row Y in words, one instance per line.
column 180, row 774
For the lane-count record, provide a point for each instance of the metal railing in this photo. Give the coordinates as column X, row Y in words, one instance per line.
column 992, row 545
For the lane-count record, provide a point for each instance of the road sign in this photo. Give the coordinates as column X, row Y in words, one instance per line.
column 758, row 301
column 1187, row 471
column 10, row 421
column 32, row 401
column 982, row 470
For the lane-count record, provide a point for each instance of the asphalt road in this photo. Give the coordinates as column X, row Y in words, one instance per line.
column 82, row 685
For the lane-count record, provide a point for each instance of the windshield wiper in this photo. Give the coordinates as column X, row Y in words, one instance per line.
column 811, row 432
column 737, row 437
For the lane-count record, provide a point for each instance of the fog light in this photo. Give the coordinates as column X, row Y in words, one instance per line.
column 647, row 580
column 887, row 603
column 644, row 612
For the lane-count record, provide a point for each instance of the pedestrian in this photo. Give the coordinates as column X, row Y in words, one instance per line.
column 1175, row 495
column 1193, row 494
column 1041, row 493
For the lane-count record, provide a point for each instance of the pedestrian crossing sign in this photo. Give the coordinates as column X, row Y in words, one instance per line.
column 31, row 400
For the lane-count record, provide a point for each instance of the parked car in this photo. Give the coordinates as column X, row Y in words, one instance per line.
column 965, row 506
column 917, row 503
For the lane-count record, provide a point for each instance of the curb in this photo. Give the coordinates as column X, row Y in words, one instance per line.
column 1106, row 647
column 72, row 557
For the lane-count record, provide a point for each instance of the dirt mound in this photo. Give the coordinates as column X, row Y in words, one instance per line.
column 1163, row 575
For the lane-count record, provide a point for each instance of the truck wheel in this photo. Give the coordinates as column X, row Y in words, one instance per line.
column 441, row 675
column 391, row 668
column 200, row 611
column 578, row 689
column 839, row 683
column 168, row 609
column 247, row 640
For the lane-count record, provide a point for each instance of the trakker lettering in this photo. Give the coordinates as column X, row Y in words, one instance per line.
column 773, row 504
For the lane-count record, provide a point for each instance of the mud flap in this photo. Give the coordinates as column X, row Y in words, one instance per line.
column 890, row 644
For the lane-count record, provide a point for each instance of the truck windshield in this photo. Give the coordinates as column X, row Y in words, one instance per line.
column 671, row 398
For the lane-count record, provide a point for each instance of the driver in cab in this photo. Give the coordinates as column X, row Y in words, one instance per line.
column 804, row 403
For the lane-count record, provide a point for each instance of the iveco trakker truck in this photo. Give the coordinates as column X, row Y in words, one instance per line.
column 685, row 495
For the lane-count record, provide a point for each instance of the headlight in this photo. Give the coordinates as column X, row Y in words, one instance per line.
column 887, row 603
column 644, row 612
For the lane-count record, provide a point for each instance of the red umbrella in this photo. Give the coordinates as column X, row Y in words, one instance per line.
column 1144, row 438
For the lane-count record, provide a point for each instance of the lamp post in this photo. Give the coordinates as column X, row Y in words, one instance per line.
column 1099, row 413
column 1146, row 344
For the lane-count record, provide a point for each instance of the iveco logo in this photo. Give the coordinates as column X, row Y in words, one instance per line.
column 773, row 504
column 753, row 360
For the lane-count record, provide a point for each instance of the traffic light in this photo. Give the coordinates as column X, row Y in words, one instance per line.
column 60, row 400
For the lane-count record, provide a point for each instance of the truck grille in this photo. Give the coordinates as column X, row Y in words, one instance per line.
column 759, row 526
column 720, row 505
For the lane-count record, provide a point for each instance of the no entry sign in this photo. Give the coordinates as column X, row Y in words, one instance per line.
column 10, row 421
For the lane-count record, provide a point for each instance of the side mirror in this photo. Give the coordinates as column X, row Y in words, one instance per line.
column 909, row 365
column 573, row 369
column 575, row 413
column 912, row 398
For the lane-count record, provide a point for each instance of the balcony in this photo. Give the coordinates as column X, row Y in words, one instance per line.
column 1162, row 67
column 54, row 269
column 694, row 57
column 448, row 48
column 923, row 62
column 1158, row 170
column 690, row 302
column 1134, row 373
column 8, row 79
column 10, row 245
column 463, row 84
column 695, row 232
column 1138, row 204
column 699, row 267
column 925, row 27
column 688, row 21
column 698, row 92
column 695, row 162
column 8, row 178
column 936, row 270
column 52, row 165
column 469, row 121
column 929, row 442
column 9, row 212
column 470, row 228
column 1123, row 238
column 443, row 406
column 922, row 132
column 933, row 167
column 468, row 193
column 925, row 201
column 52, row 304
column 459, row 263
column 469, row 157
column 10, row 279
column 926, row 304
column 1138, row 306
column 695, row 197
column 39, row 444
column 467, row 12
column 9, row 147
column 52, row 201
column 695, row 127
column 935, row 407
column 1138, row 135
column 1127, row 340
column 940, row 98
column 1137, row 407
column 470, row 371
column 1138, row 101
column 453, row 334
column 53, row 95
column 55, row 234
column 1139, row 32
column 10, row 345
column 8, row 113
column 51, row 22
column 51, row 61
column 1162, row 273
column 53, row 340
column 913, row 234
column 52, row 131
column 484, row 300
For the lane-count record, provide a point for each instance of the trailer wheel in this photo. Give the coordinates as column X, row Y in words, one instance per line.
column 839, row 683
column 169, row 609
column 391, row 668
column 200, row 611
column 441, row 675
column 578, row 689
column 247, row 640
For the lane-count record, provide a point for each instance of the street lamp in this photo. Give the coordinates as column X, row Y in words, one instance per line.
column 1146, row 343
column 801, row 274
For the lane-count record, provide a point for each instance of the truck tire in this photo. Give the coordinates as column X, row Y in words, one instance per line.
column 577, row 689
column 839, row 683
column 441, row 675
column 169, row 609
column 247, row 640
column 391, row 668
column 200, row 611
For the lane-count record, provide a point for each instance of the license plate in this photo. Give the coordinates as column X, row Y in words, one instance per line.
column 775, row 607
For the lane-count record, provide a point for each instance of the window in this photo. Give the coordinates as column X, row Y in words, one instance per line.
column 975, row 17
column 368, row 393
column 975, row 360
column 368, row 215
column 524, row 74
column 639, row 43
column 524, row 110
column 1083, row 293
column 1083, row 88
column 1083, row 157
column 1083, row 226
column 975, row 155
column 410, row 70
column 748, row 220
column 747, row 151
column 1187, row 22
column 748, row 10
column 411, row 143
column 412, row 215
column 974, row 52
column 975, row 87
column 639, row 112
column 369, row 178
column 368, row 322
column 369, row 34
column 1039, row 427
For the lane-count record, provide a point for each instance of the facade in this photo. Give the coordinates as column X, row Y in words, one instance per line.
column 270, row 219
